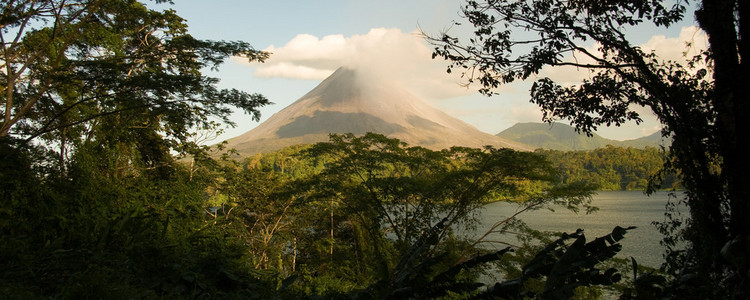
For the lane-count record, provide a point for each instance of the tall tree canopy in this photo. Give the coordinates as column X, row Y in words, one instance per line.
column 83, row 70
column 95, row 98
column 701, row 103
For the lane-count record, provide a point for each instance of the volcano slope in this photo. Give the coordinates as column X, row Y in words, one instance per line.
column 350, row 101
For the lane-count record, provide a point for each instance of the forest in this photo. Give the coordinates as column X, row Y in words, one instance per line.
column 109, row 189
column 614, row 168
column 607, row 169
column 355, row 217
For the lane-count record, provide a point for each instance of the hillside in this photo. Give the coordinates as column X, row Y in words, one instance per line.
column 559, row 136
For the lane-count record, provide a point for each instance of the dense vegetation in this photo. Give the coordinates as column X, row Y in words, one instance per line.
column 613, row 168
column 608, row 169
column 356, row 217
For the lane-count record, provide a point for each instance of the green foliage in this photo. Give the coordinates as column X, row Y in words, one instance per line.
column 406, row 189
column 408, row 202
column 609, row 168
column 612, row 168
column 96, row 95
column 378, row 218
column 91, row 233
column 564, row 267
column 110, row 71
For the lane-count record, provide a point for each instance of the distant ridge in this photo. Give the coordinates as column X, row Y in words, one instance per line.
column 559, row 136
column 350, row 101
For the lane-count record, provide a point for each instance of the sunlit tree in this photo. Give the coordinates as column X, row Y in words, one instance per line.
column 113, row 72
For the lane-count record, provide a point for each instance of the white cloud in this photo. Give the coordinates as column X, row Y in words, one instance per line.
column 675, row 49
column 289, row 70
column 390, row 53
column 308, row 51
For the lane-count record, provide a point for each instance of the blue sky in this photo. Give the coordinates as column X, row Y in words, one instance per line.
column 310, row 39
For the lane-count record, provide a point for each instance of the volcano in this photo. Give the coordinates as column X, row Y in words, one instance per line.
column 351, row 101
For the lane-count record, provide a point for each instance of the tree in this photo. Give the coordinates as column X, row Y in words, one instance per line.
column 701, row 104
column 377, row 200
column 110, row 71
column 97, row 96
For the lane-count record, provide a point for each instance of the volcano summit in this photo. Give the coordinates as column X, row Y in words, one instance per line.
column 350, row 101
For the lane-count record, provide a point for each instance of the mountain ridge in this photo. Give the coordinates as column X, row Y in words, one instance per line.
column 559, row 136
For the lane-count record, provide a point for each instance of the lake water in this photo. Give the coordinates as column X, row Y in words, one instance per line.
column 616, row 208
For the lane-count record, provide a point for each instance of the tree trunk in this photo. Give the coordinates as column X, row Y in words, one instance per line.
column 731, row 75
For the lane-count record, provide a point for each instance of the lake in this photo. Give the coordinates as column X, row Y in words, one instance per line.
column 616, row 208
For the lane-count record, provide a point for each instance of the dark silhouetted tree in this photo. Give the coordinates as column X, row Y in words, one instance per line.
column 702, row 104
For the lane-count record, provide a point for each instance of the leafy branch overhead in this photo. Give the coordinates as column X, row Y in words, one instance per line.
column 515, row 40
